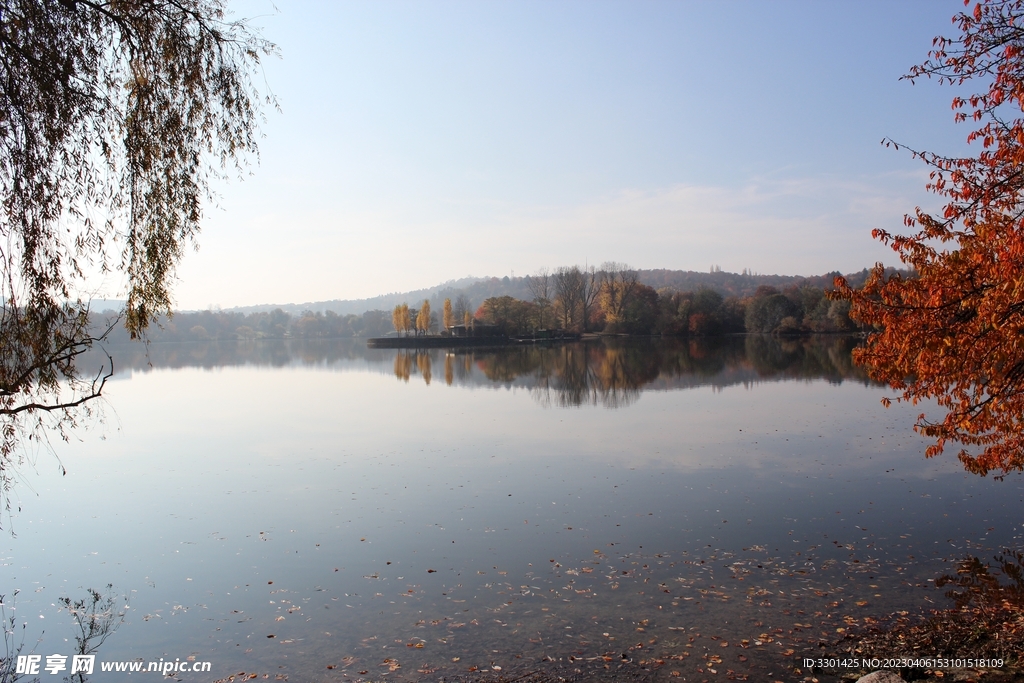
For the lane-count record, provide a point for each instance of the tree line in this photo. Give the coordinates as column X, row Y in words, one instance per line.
column 212, row 325
column 612, row 299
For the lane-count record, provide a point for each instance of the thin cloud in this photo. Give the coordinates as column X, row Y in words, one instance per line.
column 770, row 225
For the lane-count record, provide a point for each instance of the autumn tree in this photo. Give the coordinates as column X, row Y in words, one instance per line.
column 423, row 318
column 396, row 319
column 510, row 315
column 448, row 316
column 115, row 117
column 953, row 332
column 617, row 282
column 404, row 318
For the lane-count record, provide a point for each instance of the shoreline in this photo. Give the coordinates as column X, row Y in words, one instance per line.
column 462, row 342
column 439, row 342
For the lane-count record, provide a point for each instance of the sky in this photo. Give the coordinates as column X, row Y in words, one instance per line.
column 420, row 142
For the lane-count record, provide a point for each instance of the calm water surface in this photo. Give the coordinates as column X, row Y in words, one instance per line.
column 327, row 512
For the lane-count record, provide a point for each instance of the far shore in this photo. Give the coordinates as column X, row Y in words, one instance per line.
column 441, row 342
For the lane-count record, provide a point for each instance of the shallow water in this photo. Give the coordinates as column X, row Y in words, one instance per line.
column 318, row 511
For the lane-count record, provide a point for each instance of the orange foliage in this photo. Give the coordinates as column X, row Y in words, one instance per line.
column 955, row 331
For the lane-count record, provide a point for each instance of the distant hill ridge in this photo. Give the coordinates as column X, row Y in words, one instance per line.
column 477, row 289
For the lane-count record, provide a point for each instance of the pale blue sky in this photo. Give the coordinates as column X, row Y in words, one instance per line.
column 425, row 141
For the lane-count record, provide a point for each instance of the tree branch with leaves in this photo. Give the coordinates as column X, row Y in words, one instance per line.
column 954, row 331
column 115, row 120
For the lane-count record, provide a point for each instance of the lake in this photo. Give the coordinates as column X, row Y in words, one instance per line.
column 326, row 512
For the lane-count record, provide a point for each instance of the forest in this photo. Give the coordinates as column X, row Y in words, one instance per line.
column 619, row 306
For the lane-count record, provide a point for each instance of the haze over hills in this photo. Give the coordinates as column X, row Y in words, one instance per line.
column 477, row 289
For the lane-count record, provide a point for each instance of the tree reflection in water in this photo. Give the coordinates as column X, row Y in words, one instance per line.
column 423, row 365
column 613, row 372
column 403, row 365
column 610, row 371
column 96, row 617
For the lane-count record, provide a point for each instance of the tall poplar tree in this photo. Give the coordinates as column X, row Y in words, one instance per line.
column 448, row 317
column 423, row 318
column 396, row 319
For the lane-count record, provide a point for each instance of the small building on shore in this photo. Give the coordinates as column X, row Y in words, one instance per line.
column 476, row 329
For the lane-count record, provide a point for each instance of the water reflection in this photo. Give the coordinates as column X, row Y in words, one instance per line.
column 609, row 372
column 613, row 372
column 608, row 375
column 403, row 366
column 317, row 510
column 95, row 617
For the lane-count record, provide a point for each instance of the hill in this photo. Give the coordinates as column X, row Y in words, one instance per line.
column 477, row 289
